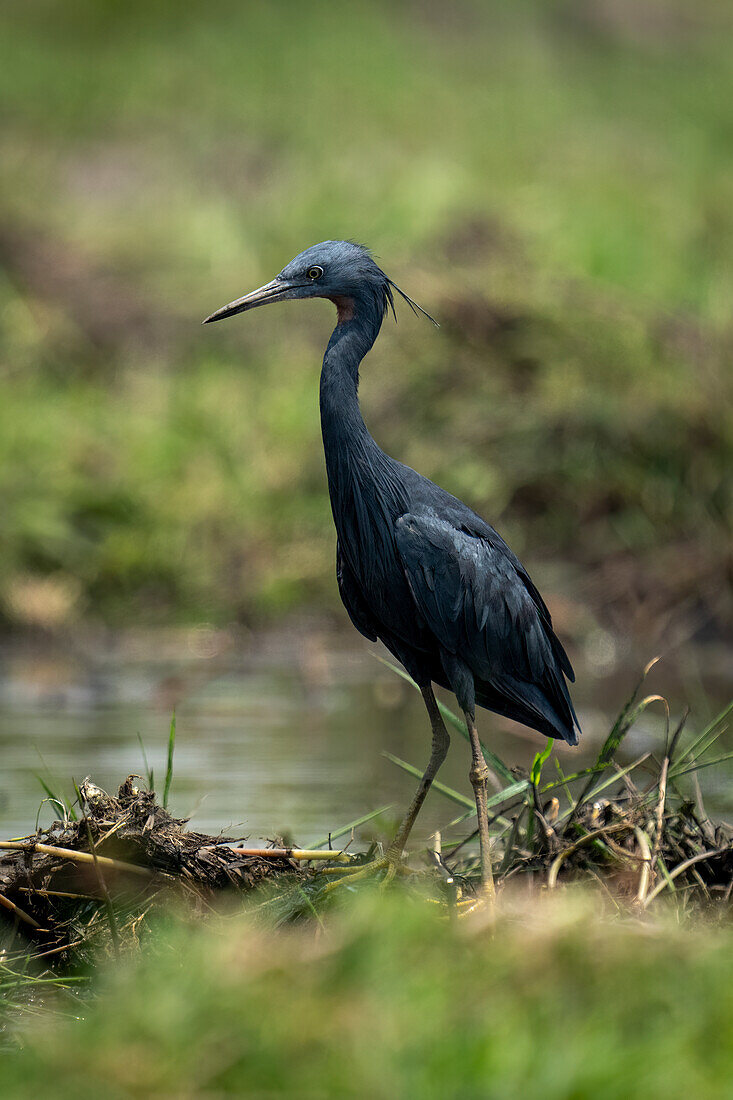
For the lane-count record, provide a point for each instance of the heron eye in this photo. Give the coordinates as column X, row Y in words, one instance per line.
column 315, row 272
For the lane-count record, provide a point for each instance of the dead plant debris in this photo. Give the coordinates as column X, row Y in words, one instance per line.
column 125, row 848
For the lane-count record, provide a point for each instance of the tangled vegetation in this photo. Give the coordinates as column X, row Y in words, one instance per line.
column 96, row 878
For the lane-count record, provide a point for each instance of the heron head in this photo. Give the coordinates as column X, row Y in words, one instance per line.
column 342, row 271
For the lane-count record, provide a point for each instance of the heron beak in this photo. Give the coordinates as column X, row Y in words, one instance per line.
column 270, row 292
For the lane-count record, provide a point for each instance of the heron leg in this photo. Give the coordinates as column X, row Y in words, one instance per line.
column 479, row 775
column 441, row 741
column 390, row 861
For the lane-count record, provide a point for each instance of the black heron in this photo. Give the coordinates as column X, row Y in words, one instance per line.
column 416, row 567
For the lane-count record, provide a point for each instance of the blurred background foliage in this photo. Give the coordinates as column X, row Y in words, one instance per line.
column 552, row 180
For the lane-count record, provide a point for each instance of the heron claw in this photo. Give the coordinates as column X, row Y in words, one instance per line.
column 392, row 866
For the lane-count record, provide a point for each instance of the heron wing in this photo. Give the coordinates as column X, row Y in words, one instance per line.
column 482, row 607
column 352, row 598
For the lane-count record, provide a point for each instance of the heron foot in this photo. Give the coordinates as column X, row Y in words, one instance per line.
column 479, row 774
column 391, row 863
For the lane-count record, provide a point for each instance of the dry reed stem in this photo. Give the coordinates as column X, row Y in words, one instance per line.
column 678, row 871
column 557, row 863
column 646, row 867
column 75, row 857
column 17, row 911
column 303, row 854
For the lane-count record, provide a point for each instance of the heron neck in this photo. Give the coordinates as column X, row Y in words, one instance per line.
column 345, row 435
column 361, row 477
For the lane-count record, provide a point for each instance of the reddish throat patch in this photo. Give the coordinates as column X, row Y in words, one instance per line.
column 345, row 308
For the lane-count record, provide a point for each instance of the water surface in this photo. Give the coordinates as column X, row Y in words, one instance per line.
column 281, row 733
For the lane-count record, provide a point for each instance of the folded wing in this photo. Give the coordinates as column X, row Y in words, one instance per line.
column 482, row 607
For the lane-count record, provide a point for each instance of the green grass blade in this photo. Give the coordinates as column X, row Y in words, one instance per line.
column 582, row 774
column 64, row 808
column 563, row 782
column 149, row 774
column 311, row 907
column 343, row 829
column 607, row 783
column 620, row 728
column 512, row 841
column 539, row 760
column 494, row 762
column 169, row 764
column 108, row 905
column 454, row 796
column 692, row 762
column 622, row 725
column 459, row 725
column 704, row 764
column 497, row 798
column 711, row 728
column 58, row 808
column 461, row 818
column 512, row 791
column 663, row 868
column 48, row 792
column 57, row 803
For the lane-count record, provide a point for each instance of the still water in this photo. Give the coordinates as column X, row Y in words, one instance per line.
column 283, row 733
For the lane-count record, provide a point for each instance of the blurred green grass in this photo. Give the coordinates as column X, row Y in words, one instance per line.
column 393, row 1001
column 553, row 180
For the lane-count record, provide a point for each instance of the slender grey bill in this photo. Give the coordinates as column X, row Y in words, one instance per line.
column 270, row 292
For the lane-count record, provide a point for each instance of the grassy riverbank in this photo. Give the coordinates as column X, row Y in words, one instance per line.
column 138, row 958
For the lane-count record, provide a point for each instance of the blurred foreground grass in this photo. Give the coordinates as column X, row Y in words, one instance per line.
column 168, row 963
column 553, row 181
column 392, row 1001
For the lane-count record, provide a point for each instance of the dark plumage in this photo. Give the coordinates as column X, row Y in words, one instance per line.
column 416, row 567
